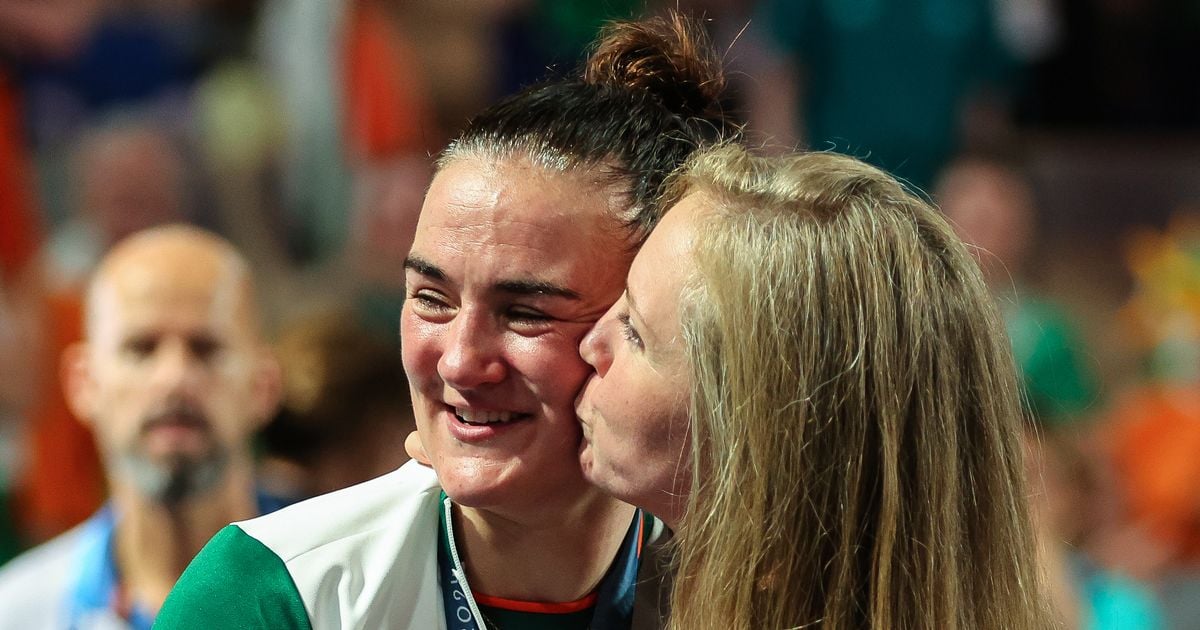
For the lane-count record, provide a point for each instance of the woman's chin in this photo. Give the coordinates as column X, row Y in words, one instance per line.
column 587, row 460
column 595, row 473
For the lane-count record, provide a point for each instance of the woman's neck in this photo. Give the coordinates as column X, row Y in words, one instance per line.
column 559, row 557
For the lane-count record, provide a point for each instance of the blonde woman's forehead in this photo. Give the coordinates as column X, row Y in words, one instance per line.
column 668, row 250
column 662, row 268
column 679, row 226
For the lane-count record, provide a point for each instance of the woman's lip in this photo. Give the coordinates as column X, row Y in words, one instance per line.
column 473, row 433
column 582, row 408
column 464, row 411
column 582, row 414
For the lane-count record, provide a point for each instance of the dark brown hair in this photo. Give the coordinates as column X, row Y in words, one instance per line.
column 647, row 97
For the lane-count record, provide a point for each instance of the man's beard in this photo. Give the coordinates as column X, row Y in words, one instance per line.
column 177, row 477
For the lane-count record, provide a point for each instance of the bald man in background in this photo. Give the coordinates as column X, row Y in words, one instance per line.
column 173, row 379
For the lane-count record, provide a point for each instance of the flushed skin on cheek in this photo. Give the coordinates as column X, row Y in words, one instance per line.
column 634, row 408
column 510, row 267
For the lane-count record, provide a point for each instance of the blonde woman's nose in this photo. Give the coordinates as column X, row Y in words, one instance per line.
column 596, row 349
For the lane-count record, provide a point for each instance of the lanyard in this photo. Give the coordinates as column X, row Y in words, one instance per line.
column 96, row 598
column 615, row 595
column 97, row 594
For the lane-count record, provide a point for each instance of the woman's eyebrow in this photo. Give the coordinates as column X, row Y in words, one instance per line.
column 424, row 267
column 535, row 287
column 633, row 307
column 636, row 313
column 515, row 287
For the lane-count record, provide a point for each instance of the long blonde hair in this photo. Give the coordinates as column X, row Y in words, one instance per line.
column 854, row 411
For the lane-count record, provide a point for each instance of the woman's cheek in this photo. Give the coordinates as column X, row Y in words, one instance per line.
column 552, row 361
column 419, row 348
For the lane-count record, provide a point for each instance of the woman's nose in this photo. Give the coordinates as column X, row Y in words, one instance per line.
column 471, row 356
column 595, row 347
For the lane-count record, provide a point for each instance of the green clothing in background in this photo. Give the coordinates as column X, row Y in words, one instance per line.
column 10, row 542
column 1060, row 385
column 569, row 27
column 886, row 80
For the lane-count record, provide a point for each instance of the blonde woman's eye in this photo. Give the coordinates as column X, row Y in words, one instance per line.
column 628, row 331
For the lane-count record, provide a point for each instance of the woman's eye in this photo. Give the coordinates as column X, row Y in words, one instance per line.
column 527, row 316
column 628, row 331
column 429, row 302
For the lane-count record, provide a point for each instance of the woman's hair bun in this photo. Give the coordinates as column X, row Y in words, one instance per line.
column 670, row 57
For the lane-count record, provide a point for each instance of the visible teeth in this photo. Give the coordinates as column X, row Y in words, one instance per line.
column 475, row 416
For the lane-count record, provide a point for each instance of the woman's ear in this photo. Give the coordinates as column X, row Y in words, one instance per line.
column 416, row 449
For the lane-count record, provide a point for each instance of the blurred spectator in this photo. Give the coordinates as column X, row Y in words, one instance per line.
column 387, row 109
column 353, row 96
column 82, row 60
column 173, row 379
column 51, row 29
column 1155, row 445
column 20, row 317
column 992, row 207
column 381, row 232
column 349, row 152
column 129, row 174
column 1163, row 312
column 890, row 81
column 1154, row 432
column 21, row 235
column 1071, row 501
column 132, row 104
column 345, row 411
column 460, row 48
column 50, row 466
column 60, row 482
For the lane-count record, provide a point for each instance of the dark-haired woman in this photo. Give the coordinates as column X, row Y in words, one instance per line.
column 524, row 241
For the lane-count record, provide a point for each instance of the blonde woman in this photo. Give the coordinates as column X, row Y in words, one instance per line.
column 807, row 380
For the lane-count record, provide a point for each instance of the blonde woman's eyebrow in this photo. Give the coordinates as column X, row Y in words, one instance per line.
column 635, row 312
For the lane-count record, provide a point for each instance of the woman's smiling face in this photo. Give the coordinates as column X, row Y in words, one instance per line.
column 634, row 408
column 510, row 267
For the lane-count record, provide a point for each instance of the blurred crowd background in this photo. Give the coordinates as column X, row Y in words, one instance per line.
column 1062, row 137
